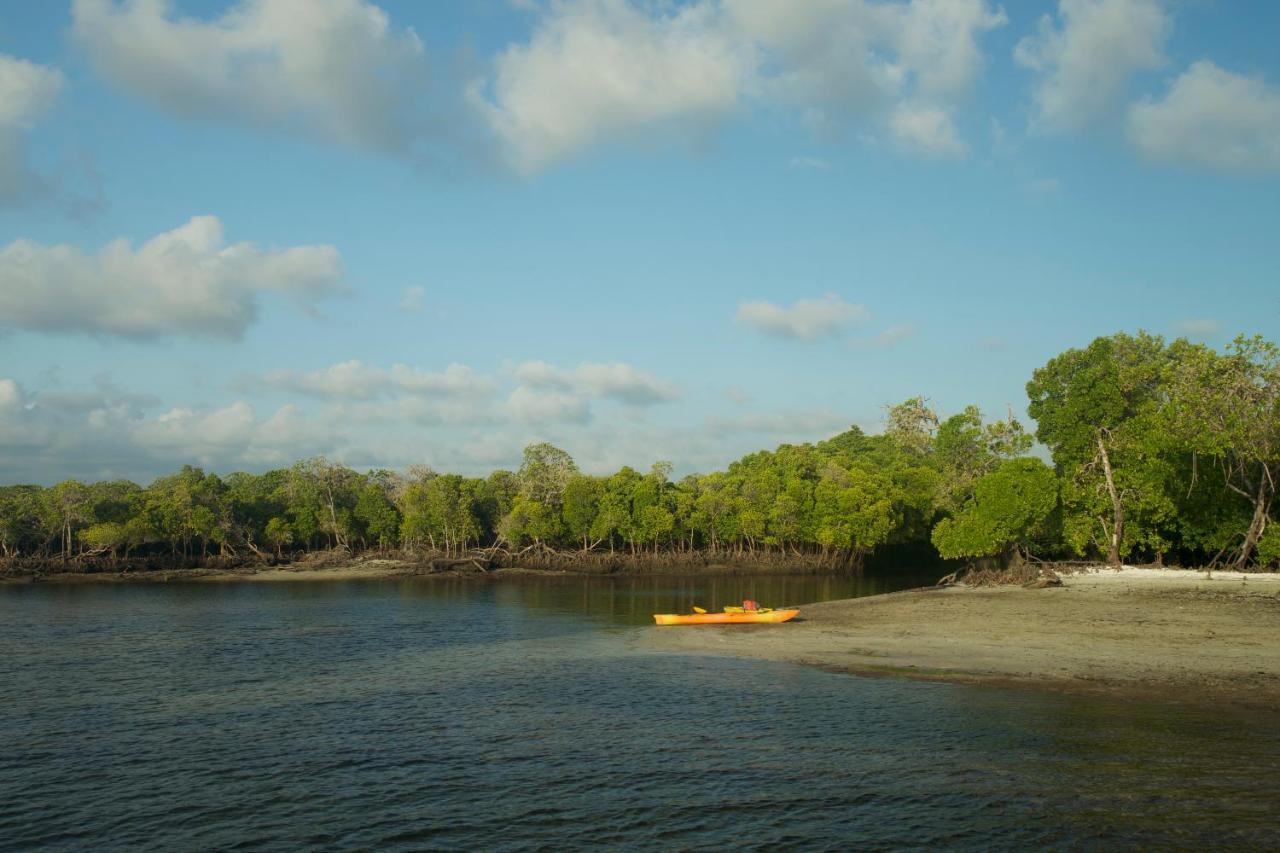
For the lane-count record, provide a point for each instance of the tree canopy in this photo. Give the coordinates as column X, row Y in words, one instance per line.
column 1159, row 450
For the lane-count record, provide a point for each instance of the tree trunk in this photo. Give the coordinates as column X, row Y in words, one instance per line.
column 1117, row 527
column 1258, row 525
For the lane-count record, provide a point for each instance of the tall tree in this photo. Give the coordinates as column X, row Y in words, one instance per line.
column 1093, row 405
column 1228, row 409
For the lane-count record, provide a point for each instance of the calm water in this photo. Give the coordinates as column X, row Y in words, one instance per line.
column 428, row 714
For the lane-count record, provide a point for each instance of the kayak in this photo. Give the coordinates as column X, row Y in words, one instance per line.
column 740, row 617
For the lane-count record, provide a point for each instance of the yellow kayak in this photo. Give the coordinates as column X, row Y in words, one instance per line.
column 736, row 616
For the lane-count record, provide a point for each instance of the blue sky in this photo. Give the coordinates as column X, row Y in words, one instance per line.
column 237, row 234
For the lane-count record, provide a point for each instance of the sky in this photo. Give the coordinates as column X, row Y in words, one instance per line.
column 239, row 234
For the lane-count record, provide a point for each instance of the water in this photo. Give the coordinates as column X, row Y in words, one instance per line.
column 515, row 715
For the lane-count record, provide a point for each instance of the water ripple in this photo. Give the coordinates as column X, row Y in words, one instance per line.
column 422, row 716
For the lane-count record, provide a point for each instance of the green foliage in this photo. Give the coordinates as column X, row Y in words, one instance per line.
column 1158, row 449
column 1269, row 547
column 1007, row 508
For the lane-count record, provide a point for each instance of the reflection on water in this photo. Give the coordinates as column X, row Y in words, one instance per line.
column 517, row 714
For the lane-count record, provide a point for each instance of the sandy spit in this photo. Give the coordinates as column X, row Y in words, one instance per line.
column 1170, row 634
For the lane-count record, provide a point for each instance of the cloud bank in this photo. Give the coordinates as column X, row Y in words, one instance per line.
column 590, row 72
column 187, row 281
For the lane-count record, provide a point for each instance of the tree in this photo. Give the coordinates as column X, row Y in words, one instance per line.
column 545, row 472
column 911, row 425
column 653, row 523
column 70, row 503
column 1092, row 407
column 1008, row 506
column 853, row 512
column 966, row 448
column 377, row 515
column 279, row 533
column 1227, row 409
column 324, row 488
column 581, row 506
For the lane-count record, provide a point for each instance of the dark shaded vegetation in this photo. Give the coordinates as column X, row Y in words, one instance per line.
column 1161, row 451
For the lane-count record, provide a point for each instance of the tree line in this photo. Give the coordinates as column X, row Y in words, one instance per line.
column 1158, row 451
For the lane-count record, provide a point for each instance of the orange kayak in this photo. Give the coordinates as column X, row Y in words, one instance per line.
column 738, row 618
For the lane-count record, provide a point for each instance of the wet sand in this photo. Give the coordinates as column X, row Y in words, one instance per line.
column 1176, row 635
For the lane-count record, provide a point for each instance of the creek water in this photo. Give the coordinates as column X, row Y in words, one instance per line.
column 435, row 714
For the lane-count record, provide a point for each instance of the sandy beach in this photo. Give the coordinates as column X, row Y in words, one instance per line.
column 1163, row 633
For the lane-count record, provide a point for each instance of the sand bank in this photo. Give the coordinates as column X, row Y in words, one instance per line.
column 1170, row 634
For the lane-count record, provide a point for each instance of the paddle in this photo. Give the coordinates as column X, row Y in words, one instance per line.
column 697, row 609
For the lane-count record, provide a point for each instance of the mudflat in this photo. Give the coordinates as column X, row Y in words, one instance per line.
column 1171, row 634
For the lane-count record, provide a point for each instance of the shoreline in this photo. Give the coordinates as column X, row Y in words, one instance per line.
column 346, row 571
column 1172, row 635
column 383, row 569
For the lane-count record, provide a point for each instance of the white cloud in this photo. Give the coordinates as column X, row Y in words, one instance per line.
column 215, row 437
column 617, row 381
column 181, row 282
column 1201, row 327
column 590, row 72
column 806, row 320
column 106, row 432
column 355, row 380
column 26, row 91
column 536, row 406
column 1085, row 60
column 838, row 61
column 599, row 70
column 927, row 131
column 1211, row 119
column 333, row 69
column 413, row 300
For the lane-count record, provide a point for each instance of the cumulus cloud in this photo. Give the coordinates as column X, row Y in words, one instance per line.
column 355, row 380
column 334, row 69
column 927, row 131
column 107, row 432
column 590, row 71
column 1085, row 58
column 615, row 380
column 838, row 61
column 805, row 320
column 232, row 434
column 184, row 281
column 542, row 393
column 599, row 69
column 1211, row 119
column 547, row 394
column 538, row 406
column 26, row 91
